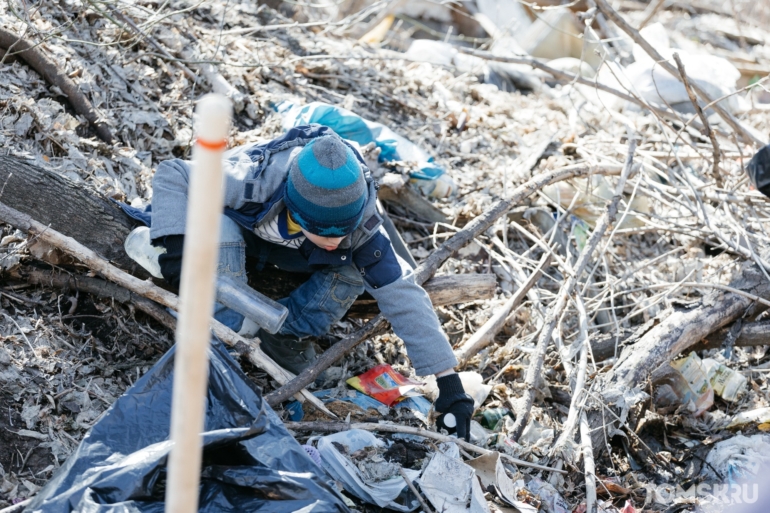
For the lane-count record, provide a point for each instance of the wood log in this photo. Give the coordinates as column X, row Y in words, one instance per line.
column 448, row 289
column 751, row 334
column 72, row 209
column 54, row 74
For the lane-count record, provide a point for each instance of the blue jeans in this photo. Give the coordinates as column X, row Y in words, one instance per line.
column 313, row 306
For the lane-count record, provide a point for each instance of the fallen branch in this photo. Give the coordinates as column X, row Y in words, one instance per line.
column 706, row 126
column 147, row 289
column 102, row 288
column 634, row 34
column 578, row 384
column 335, row 427
column 554, row 312
column 484, row 336
column 54, row 74
column 752, row 334
column 429, row 266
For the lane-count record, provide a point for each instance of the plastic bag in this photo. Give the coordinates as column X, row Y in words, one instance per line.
column 737, row 458
column 451, row 486
column 717, row 76
column 382, row 493
column 429, row 177
column 250, row 461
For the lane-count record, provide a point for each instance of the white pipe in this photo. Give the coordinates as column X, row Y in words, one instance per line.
column 196, row 299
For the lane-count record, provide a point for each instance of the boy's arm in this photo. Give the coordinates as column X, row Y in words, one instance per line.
column 390, row 280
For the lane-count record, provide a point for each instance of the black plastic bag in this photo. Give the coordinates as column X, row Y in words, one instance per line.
column 250, row 461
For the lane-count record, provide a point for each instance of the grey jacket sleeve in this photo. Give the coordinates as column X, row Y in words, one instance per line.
column 408, row 308
column 169, row 198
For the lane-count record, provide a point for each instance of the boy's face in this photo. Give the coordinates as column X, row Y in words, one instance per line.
column 327, row 243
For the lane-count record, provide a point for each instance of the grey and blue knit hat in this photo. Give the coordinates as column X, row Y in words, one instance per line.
column 326, row 191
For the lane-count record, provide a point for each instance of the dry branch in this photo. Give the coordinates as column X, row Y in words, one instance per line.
column 430, row 265
column 588, row 463
column 555, row 310
column 706, row 126
column 54, row 74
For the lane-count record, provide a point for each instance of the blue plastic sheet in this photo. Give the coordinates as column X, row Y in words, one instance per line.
column 353, row 127
column 250, row 461
column 418, row 404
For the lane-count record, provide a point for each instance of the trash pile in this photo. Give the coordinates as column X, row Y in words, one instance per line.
column 620, row 364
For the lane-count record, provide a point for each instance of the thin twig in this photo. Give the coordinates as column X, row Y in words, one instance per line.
column 706, row 126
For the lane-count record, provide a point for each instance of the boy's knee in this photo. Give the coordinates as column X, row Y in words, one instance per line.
column 352, row 277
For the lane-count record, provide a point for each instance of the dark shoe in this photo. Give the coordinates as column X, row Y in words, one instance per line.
column 288, row 351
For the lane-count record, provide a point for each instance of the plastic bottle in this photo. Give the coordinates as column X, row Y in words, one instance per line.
column 141, row 250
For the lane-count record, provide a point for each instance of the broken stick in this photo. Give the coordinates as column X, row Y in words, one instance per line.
column 706, row 126
column 54, row 74
column 430, row 265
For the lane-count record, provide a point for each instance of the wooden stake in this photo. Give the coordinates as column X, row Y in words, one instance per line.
column 196, row 297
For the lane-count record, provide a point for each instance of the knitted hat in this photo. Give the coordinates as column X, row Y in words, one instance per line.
column 759, row 170
column 326, row 190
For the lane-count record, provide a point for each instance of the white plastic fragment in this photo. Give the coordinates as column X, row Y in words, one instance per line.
column 739, row 457
column 449, row 485
column 491, row 473
column 552, row 501
column 382, row 493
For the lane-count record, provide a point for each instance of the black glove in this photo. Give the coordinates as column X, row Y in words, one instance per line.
column 453, row 399
column 171, row 261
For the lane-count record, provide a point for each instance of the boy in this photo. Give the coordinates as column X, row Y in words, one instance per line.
column 306, row 202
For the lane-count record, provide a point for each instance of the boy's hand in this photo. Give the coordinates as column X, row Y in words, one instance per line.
column 455, row 405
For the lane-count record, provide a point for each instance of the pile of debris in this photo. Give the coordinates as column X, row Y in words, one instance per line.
column 581, row 166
